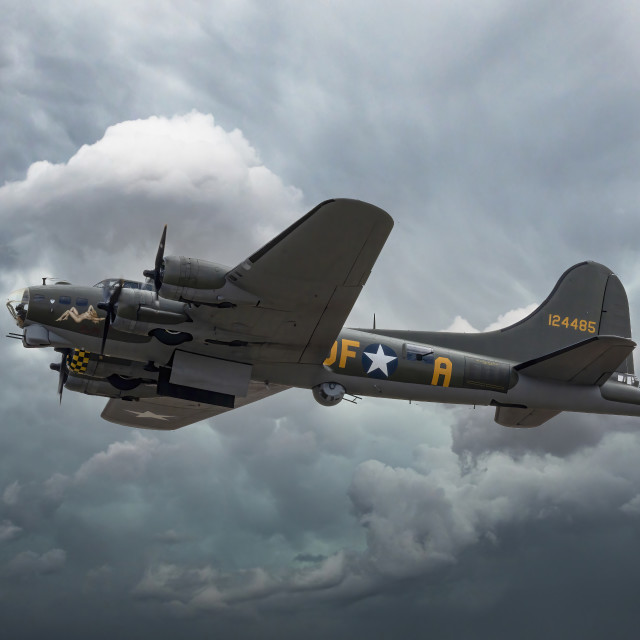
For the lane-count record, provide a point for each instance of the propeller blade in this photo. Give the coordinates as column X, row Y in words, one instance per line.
column 107, row 322
column 63, row 369
column 111, row 310
column 156, row 273
column 113, row 299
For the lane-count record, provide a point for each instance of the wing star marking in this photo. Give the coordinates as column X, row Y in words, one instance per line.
column 148, row 414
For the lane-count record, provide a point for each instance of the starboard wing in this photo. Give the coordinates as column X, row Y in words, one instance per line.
column 166, row 414
column 308, row 278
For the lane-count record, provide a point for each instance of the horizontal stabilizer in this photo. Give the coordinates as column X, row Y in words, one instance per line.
column 591, row 361
column 522, row 417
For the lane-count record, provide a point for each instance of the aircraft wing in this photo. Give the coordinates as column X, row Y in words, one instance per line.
column 166, row 414
column 521, row 417
column 307, row 280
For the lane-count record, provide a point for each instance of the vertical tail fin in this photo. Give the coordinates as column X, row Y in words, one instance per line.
column 588, row 300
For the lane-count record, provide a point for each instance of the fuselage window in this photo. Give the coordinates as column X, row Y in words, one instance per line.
column 418, row 352
column 64, row 300
column 81, row 302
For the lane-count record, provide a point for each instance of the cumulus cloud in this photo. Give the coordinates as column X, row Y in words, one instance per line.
column 122, row 463
column 105, row 207
column 419, row 520
column 511, row 317
column 462, row 325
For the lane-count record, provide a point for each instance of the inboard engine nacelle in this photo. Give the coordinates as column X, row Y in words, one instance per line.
column 139, row 311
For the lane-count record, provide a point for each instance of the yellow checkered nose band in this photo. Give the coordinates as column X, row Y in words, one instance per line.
column 78, row 360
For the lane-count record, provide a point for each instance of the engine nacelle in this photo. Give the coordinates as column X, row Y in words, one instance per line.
column 102, row 387
column 139, row 312
column 328, row 393
column 190, row 278
column 196, row 281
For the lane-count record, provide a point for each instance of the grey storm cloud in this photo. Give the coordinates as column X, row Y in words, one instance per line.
column 504, row 140
column 28, row 564
column 9, row 531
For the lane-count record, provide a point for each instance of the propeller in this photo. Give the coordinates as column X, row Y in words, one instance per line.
column 157, row 272
column 111, row 308
column 63, row 369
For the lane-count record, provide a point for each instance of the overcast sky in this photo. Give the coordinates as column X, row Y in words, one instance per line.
column 503, row 138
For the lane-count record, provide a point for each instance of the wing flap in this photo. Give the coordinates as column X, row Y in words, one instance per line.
column 588, row 362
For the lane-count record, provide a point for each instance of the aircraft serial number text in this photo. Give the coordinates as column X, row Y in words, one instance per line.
column 586, row 326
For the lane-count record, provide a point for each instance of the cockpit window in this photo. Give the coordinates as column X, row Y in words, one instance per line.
column 109, row 283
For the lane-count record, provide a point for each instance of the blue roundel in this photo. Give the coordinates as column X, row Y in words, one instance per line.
column 379, row 361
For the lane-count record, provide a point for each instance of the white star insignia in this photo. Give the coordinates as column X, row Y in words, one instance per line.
column 148, row 414
column 379, row 361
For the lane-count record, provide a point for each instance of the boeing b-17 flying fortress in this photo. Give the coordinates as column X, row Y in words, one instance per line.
column 197, row 338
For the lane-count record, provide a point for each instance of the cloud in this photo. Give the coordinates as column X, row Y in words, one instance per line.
column 511, row 317
column 29, row 564
column 110, row 199
column 461, row 325
column 11, row 493
column 9, row 531
column 170, row 536
column 502, row 141
column 420, row 521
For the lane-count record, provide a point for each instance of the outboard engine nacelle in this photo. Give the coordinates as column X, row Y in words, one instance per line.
column 200, row 281
column 190, row 278
column 328, row 393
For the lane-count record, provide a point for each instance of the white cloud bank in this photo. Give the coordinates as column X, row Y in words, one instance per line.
column 462, row 325
column 102, row 211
